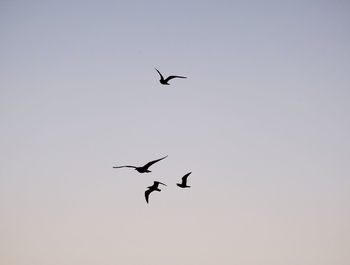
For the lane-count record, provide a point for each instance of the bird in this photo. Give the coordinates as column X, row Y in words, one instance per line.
column 166, row 80
column 144, row 169
column 152, row 188
column 183, row 184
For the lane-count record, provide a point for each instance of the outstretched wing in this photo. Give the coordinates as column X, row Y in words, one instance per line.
column 173, row 76
column 184, row 178
column 154, row 161
column 158, row 182
column 125, row 166
column 147, row 193
column 159, row 74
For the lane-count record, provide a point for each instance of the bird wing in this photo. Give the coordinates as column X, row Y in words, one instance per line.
column 147, row 193
column 154, row 161
column 125, row 166
column 184, row 178
column 158, row 182
column 173, row 76
column 159, row 74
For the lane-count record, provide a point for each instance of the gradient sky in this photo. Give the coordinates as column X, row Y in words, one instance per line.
column 263, row 121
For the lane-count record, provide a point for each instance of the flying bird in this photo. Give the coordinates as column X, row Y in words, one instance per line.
column 166, row 80
column 183, row 184
column 152, row 188
column 143, row 169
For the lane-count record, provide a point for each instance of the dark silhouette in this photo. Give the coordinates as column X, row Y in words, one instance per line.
column 152, row 188
column 144, row 169
column 165, row 81
column 183, row 184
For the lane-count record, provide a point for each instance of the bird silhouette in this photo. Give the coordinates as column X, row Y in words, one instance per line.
column 166, row 80
column 143, row 169
column 183, row 184
column 152, row 188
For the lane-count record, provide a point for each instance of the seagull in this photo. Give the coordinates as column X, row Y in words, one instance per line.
column 165, row 81
column 183, row 184
column 152, row 188
column 144, row 169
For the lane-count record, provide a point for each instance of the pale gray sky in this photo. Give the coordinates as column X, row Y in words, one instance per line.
column 262, row 121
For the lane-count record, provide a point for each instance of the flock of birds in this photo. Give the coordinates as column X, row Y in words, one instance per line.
column 145, row 168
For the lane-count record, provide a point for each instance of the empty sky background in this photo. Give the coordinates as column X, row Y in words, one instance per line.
column 262, row 121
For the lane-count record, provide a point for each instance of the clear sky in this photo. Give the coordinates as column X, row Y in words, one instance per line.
column 263, row 122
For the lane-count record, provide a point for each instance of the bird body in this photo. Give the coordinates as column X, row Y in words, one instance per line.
column 145, row 168
column 166, row 80
column 152, row 188
column 183, row 184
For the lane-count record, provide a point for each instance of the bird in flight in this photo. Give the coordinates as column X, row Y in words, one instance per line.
column 166, row 80
column 143, row 169
column 183, row 184
column 152, row 188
